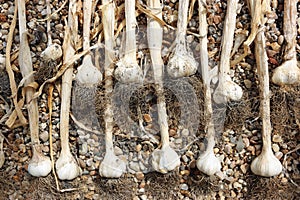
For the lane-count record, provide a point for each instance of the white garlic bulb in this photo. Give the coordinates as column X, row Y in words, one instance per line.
column 39, row 165
column 165, row 159
column 208, row 163
column 112, row 166
column 67, row 167
column 128, row 71
column 229, row 91
column 266, row 164
column 287, row 74
column 52, row 52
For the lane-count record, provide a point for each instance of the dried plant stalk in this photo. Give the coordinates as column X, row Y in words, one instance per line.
column 207, row 162
column 111, row 166
column 227, row 89
column 164, row 159
column 39, row 165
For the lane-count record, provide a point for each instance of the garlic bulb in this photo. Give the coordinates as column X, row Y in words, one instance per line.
column 67, row 167
column 112, row 166
column 165, row 159
column 229, row 91
column 208, row 163
column 128, row 71
column 182, row 63
column 39, row 165
column 287, row 74
column 266, row 164
column 52, row 52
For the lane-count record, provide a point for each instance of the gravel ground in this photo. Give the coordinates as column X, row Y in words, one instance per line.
column 238, row 142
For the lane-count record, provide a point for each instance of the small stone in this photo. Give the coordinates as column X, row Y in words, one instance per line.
column 237, row 185
column 185, row 159
column 240, row 144
column 143, row 197
column 172, row 132
column 232, row 194
column 277, row 138
column 136, row 198
column 118, row 151
column 246, row 142
column 44, row 136
column 227, row 149
column 138, row 148
column 185, row 172
column 280, row 40
column 248, row 83
column 244, row 168
column 185, row 132
column 278, row 155
column 84, row 149
column 139, row 176
column 284, row 180
column 147, row 118
column 275, row 147
column 184, row 186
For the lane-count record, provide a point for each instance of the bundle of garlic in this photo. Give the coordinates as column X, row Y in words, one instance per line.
column 66, row 165
column 288, row 73
column 111, row 166
column 39, row 165
column 182, row 63
column 227, row 90
column 164, row 159
column 266, row 164
column 207, row 162
column 128, row 70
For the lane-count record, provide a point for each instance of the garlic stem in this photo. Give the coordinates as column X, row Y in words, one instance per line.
column 111, row 166
column 266, row 164
column 207, row 162
column 2, row 157
column 164, row 159
column 227, row 90
column 41, row 168
column 288, row 72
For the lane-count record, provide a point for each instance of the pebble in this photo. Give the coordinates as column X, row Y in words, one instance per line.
column 248, row 83
column 139, row 176
column 237, row 185
column 244, row 168
column 240, row 144
column 184, row 186
column 143, row 197
column 275, row 147
column 227, row 149
column 44, row 136
column 118, row 151
column 277, row 138
column 279, row 155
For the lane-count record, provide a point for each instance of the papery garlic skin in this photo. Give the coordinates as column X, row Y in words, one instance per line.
column 165, row 159
column 112, row 166
column 208, row 163
column 182, row 65
column 229, row 91
column 66, row 167
column 52, row 52
column 266, row 164
column 287, row 74
column 87, row 73
column 128, row 71
column 39, row 165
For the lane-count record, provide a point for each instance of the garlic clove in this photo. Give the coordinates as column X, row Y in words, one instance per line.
column 208, row 163
column 39, row 165
column 287, row 74
column 230, row 91
column 182, row 65
column 52, row 52
column 112, row 166
column 128, row 71
column 165, row 159
column 67, row 167
column 266, row 164
column 87, row 73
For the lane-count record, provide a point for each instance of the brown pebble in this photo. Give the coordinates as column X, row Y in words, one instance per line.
column 277, row 138
column 139, row 175
column 93, row 173
column 172, row 132
column 143, row 184
column 244, row 168
column 147, row 118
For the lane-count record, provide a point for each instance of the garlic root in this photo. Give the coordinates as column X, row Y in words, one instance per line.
column 39, row 165
column 111, row 166
column 207, row 162
column 128, row 70
column 266, row 164
column 66, row 166
column 182, row 63
column 164, row 159
column 288, row 73
column 227, row 90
